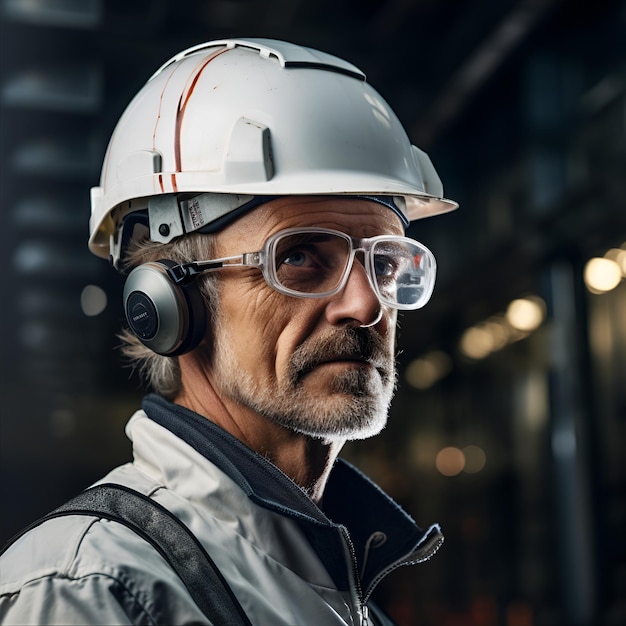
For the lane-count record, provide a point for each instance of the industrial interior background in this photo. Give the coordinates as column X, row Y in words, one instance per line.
column 509, row 426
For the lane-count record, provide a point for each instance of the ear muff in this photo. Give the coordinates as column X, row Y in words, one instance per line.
column 168, row 318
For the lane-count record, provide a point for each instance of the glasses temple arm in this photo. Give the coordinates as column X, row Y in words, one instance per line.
column 186, row 272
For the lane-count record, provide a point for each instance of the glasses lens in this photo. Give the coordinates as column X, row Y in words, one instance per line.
column 403, row 272
column 311, row 262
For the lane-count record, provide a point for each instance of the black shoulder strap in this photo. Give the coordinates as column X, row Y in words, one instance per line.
column 169, row 536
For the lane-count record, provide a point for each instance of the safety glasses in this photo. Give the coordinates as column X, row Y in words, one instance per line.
column 316, row 263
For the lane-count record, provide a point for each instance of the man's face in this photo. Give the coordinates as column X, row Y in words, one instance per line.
column 323, row 367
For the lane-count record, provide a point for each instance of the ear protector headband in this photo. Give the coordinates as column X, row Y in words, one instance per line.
column 169, row 318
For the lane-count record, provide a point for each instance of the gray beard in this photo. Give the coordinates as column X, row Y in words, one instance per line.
column 355, row 405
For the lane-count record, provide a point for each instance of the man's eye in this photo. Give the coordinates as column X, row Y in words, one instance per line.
column 297, row 258
column 384, row 266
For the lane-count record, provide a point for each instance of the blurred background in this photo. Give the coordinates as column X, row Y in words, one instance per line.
column 509, row 426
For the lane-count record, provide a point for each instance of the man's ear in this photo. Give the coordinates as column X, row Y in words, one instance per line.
column 168, row 318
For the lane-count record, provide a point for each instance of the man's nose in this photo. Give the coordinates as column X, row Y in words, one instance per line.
column 357, row 303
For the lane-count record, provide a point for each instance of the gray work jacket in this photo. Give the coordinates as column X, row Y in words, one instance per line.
column 287, row 561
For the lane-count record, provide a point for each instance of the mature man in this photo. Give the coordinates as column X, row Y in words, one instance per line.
column 256, row 192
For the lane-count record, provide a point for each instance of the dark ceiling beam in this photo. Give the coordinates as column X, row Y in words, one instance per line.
column 506, row 37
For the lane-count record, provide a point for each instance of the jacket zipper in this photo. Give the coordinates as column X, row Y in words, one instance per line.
column 361, row 607
column 423, row 553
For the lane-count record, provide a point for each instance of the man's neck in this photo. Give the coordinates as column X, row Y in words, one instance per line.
column 306, row 460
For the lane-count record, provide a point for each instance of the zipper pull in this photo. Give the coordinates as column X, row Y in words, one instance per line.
column 365, row 615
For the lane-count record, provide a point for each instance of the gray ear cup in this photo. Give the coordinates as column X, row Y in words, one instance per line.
column 169, row 319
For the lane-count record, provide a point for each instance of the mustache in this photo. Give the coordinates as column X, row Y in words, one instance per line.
column 362, row 344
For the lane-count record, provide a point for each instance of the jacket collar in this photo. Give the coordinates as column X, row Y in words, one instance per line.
column 383, row 536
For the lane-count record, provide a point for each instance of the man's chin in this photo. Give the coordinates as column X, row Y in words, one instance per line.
column 342, row 415
column 350, row 429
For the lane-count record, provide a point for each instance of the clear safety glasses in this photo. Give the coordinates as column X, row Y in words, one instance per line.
column 316, row 263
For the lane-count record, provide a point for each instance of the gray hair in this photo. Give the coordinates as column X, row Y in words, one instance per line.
column 162, row 373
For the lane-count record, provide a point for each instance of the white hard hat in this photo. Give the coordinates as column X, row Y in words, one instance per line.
column 228, row 124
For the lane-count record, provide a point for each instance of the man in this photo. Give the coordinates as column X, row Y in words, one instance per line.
column 257, row 193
